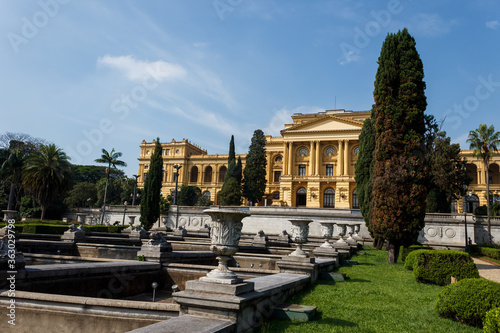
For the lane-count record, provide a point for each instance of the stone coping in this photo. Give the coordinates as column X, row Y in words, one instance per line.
column 74, row 258
column 64, row 270
column 191, row 324
column 234, row 269
column 92, row 301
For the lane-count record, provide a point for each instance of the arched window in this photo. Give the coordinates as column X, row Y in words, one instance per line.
column 194, row 175
column 303, row 151
column 330, row 151
column 208, row 174
column 301, row 197
column 494, row 173
column 355, row 202
column 222, row 174
column 329, row 198
column 278, row 159
column 356, row 150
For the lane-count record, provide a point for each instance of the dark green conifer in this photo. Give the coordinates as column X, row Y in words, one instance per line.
column 150, row 200
column 254, row 182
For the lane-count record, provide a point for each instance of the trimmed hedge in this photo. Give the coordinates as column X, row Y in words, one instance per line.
column 407, row 250
column 491, row 321
column 44, row 229
column 485, row 251
column 105, row 228
column 411, row 258
column 468, row 300
column 438, row 266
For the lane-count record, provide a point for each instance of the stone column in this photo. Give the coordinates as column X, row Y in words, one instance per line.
column 312, row 156
column 285, row 159
column 318, row 162
column 270, row 176
column 346, row 157
column 290, row 158
column 340, row 159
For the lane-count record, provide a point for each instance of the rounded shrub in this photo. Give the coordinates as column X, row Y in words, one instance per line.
column 468, row 300
column 491, row 323
column 411, row 258
column 407, row 250
column 439, row 266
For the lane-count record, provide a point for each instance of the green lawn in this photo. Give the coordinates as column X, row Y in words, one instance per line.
column 377, row 297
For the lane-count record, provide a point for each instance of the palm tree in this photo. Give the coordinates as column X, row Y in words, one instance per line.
column 47, row 175
column 484, row 141
column 112, row 160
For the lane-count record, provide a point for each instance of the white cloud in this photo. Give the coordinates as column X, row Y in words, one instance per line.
column 430, row 25
column 283, row 116
column 493, row 24
column 137, row 70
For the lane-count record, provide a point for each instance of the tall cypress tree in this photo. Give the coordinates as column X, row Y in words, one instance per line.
column 254, row 182
column 399, row 176
column 364, row 168
column 230, row 194
column 150, row 200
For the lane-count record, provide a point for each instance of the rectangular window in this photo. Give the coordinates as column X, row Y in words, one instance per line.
column 277, row 176
column 453, row 207
column 163, row 151
column 302, row 170
column 144, row 177
column 329, row 169
column 167, row 152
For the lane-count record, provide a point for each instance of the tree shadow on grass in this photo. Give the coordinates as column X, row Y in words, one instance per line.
column 357, row 280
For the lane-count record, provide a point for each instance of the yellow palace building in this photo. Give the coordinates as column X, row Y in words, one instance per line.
column 310, row 165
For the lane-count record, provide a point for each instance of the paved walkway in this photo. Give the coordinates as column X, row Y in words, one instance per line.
column 488, row 270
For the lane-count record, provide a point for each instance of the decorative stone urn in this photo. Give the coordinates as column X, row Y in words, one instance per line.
column 356, row 236
column 350, row 231
column 300, row 231
column 341, row 229
column 327, row 233
column 225, row 232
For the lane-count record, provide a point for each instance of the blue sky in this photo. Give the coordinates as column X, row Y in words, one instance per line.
column 87, row 75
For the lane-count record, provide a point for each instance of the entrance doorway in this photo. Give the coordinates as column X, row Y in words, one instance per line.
column 301, row 197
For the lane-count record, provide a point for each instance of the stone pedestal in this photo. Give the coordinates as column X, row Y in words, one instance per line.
column 180, row 232
column 8, row 214
column 80, row 217
column 260, row 240
column 284, row 237
column 73, row 234
column 156, row 249
column 139, row 233
column 350, row 231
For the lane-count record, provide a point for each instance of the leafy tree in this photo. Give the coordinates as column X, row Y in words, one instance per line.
column 188, row 195
column 484, row 141
column 364, row 168
column 47, row 175
column 28, row 207
column 447, row 173
column 399, row 176
column 254, row 184
column 204, row 201
column 93, row 173
column 12, row 161
column 150, row 200
column 83, row 194
column 111, row 159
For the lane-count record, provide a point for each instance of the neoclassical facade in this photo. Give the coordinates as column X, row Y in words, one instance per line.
column 311, row 164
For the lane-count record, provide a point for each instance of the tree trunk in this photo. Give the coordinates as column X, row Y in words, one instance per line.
column 487, row 199
column 105, row 193
column 393, row 247
column 42, row 215
column 11, row 196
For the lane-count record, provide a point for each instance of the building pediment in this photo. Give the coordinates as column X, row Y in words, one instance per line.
column 325, row 124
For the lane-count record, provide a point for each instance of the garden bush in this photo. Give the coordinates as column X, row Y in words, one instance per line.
column 104, row 228
column 491, row 322
column 439, row 266
column 486, row 251
column 411, row 258
column 33, row 228
column 406, row 250
column 468, row 300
